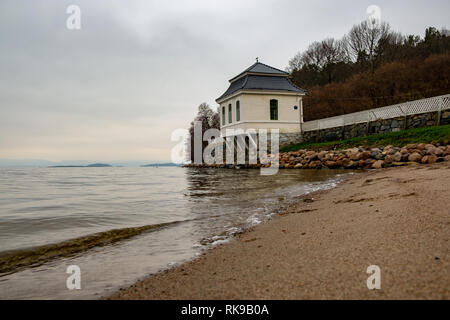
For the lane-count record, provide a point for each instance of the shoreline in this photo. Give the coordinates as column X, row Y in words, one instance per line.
column 395, row 218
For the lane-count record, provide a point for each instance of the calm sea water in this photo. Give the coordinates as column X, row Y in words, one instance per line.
column 40, row 206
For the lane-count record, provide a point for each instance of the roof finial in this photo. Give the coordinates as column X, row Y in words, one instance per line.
column 257, row 59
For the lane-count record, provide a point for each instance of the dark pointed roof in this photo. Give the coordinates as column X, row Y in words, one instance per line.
column 260, row 76
column 259, row 67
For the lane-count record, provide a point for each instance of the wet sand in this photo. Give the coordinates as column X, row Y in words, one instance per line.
column 395, row 218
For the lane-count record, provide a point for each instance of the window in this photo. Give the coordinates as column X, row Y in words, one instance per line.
column 230, row 116
column 273, row 109
column 238, row 111
column 223, row 116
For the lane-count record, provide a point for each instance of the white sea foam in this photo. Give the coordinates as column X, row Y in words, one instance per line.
column 221, row 241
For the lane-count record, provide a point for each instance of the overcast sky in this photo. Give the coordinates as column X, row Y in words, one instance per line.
column 137, row 70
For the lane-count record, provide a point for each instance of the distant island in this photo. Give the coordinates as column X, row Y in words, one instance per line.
column 105, row 165
column 94, row 165
column 169, row 164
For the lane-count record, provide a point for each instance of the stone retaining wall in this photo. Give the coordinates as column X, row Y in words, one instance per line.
column 289, row 138
column 374, row 127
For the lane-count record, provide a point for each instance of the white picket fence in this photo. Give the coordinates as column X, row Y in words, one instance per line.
column 433, row 104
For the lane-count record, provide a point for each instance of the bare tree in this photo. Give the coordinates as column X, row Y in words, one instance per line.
column 209, row 119
column 313, row 56
column 364, row 38
column 215, row 120
column 296, row 63
column 334, row 51
column 318, row 54
column 322, row 56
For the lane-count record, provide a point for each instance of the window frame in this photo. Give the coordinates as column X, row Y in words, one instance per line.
column 223, row 116
column 272, row 112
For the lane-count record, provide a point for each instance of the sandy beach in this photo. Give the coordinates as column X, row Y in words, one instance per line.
column 320, row 248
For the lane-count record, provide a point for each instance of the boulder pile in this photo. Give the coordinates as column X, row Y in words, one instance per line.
column 352, row 158
column 360, row 157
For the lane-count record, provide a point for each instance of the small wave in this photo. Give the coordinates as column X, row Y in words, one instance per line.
column 266, row 213
column 219, row 242
column 34, row 256
column 253, row 220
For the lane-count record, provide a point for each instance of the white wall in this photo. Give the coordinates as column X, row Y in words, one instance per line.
column 255, row 112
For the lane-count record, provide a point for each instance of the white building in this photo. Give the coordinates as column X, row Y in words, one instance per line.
column 262, row 97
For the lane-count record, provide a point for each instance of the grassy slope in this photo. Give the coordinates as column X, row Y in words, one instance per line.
column 437, row 134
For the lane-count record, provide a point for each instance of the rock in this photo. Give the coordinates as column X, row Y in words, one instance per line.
column 378, row 164
column 422, row 146
column 447, row 151
column 351, row 164
column 447, row 158
column 438, row 152
column 345, row 162
column 365, row 155
column 311, row 155
column 351, row 152
column 322, row 154
column 429, row 159
column 397, row 157
column 388, row 159
column 328, row 156
column 355, row 156
column 331, row 164
column 405, row 157
column 388, row 151
column 415, row 157
column 298, row 166
column 378, row 156
column 315, row 164
column 398, row 164
column 430, row 150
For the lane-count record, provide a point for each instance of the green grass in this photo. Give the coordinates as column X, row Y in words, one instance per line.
column 436, row 134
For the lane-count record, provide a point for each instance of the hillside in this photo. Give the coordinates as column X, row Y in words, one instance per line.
column 371, row 68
